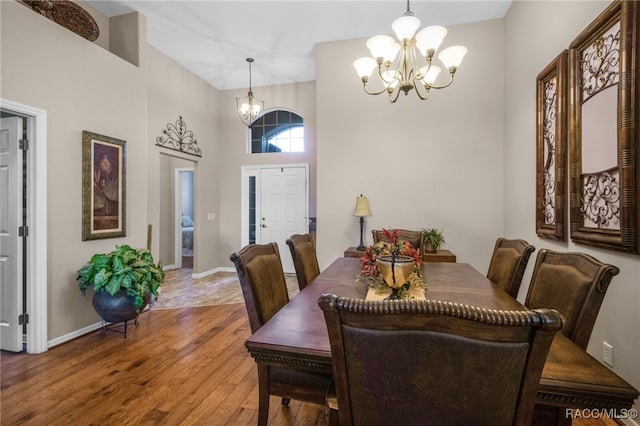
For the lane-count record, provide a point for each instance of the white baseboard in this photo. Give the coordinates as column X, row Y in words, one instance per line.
column 73, row 335
column 213, row 271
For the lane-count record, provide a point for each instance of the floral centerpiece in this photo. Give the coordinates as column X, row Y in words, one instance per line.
column 393, row 247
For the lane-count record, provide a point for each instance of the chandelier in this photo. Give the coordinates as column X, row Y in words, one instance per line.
column 403, row 72
column 249, row 108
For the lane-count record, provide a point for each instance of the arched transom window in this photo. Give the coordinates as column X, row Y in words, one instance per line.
column 278, row 131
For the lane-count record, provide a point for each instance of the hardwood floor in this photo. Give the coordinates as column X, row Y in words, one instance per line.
column 182, row 366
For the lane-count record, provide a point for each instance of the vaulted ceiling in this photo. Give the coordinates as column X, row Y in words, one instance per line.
column 212, row 39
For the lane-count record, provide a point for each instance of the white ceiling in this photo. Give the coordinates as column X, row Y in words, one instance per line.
column 212, row 39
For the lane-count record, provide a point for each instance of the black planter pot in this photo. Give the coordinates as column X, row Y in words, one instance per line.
column 116, row 308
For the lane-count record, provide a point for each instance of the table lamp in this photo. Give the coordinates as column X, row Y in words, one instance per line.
column 362, row 210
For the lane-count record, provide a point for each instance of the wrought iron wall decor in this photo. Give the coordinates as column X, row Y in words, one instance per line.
column 68, row 14
column 178, row 138
column 551, row 141
column 603, row 134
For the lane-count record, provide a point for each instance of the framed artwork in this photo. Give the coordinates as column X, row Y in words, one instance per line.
column 551, row 149
column 103, row 187
column 603, row 134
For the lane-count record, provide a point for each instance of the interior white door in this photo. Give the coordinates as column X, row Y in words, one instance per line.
column 10, row 243
column 284, row 210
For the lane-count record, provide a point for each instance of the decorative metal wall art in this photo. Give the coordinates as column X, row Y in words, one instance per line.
column 551, row 141
column 68, row 14
column 603, row 134
column 178, row 138
column 103, row 187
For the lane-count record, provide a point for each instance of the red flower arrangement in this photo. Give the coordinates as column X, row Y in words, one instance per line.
column 397, row 245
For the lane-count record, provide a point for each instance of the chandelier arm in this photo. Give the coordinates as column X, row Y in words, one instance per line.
column 381, row 74
column 372, row 93
column 420, row 95
column 393, row 99
column 431, row 86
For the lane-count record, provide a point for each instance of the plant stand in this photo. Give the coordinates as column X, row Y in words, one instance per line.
column 119, row 326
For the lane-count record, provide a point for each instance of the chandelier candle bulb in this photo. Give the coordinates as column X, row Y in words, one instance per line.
column 400, row 65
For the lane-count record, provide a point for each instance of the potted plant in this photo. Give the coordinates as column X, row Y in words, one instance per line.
column 433, row 239
column 123, row 282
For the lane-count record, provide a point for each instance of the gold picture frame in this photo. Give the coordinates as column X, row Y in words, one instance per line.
column 551, row 149
column 603, row 134
column 103, row 187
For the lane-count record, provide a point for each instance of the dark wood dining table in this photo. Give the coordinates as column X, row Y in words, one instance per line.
column 297, row 335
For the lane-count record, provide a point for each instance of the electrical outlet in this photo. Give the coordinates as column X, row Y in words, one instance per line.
column 211, row 216
column 607, row 354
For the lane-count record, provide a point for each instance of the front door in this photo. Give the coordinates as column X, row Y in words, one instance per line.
column 10, row 242
column 283, row 210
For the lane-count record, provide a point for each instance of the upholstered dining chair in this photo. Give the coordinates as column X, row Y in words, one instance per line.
column 575, row 285
column 416, row 238
column 508, row 263
column 305, row 261
column 264, row 288
column 428, row 362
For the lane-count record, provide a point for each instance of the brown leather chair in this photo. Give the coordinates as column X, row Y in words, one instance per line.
column 575, row 285
column 415, row 238
column 508, row 263
column 427, row 362
column 303, row 252
column 264, row 288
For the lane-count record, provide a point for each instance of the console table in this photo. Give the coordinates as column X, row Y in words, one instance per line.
column 439, row 256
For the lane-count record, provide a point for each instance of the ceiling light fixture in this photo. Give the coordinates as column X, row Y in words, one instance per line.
column 249, row 108
column 405, row 73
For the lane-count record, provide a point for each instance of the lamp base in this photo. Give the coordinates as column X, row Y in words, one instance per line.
column 361, row 247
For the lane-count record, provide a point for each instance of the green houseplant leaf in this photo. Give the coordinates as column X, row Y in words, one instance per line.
column 125, row 268
column 433, row 237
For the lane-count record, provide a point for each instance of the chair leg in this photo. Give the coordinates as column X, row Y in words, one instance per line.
column 285, row 401
column 263, row 394
column 334, row 420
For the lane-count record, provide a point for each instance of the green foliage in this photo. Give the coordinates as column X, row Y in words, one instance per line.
column 125, row 268
column 434, row 237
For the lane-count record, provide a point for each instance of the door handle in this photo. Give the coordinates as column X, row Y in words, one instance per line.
column 263, row 225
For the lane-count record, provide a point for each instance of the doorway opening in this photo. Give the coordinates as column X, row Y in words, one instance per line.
column 23, row 223
column 177, row 199
column 184, row 205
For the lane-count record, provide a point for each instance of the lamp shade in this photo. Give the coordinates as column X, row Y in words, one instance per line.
column 405, row 27
column 365, row 66
column 430, row 38
column 362, row 207
column 452, row 56
column 383, row 46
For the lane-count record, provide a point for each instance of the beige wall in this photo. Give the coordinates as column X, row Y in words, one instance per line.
column 175, row 92
column 422, row 164
column 82, row 87
column 530, row 46
column 299, row 98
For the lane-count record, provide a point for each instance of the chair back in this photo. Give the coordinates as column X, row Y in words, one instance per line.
column 575, row 285
column 264, row 286
column 508, row 263
column 305, row 261
column 415, row 238
column 427, row 362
